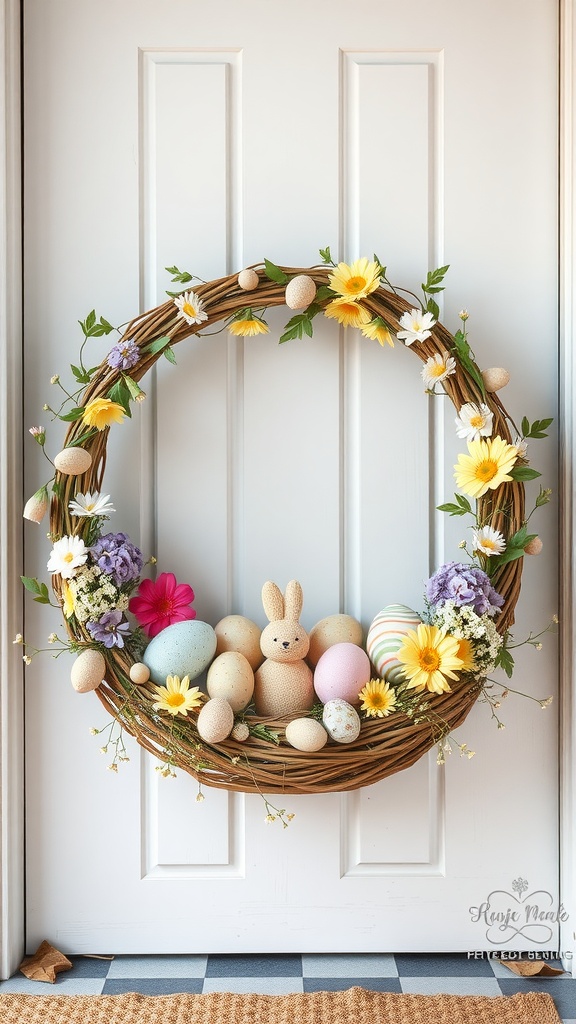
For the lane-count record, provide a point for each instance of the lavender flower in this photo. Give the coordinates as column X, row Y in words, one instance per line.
column 116, row 555
column 109, row 629
column 465, row 585
column 124, row 355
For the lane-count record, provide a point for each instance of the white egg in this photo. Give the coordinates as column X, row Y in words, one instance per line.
column 341, row 721
column 306, row 734
column 88, row 671
column 231, row 677
column 300, row 292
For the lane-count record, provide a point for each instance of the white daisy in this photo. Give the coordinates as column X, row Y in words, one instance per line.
column 191, row 308
column 91, row 504
column 437, row 368
column 66, row 555
column 488, row 541
column 522, row 445
column 474, row 421
column 416, row 326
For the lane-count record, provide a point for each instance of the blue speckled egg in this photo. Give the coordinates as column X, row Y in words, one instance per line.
column 183, row 649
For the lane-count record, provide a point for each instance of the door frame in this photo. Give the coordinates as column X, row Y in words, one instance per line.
column 12, row 915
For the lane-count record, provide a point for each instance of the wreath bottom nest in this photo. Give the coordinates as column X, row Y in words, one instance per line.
column 257, row 757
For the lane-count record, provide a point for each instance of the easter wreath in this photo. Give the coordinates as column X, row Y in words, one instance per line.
column 469, row 606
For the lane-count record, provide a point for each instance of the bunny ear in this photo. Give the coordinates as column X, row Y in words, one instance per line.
column 294, row 601
column 273, row 601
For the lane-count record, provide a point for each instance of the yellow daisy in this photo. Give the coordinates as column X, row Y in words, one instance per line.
column 101, row 412
column 176, row 697
column 377, row 330
column 347, row 312
column 466, row 655
column 430, row 658
column 487, row 465
column 378, row 698
column 355, row 281
column 248, row 325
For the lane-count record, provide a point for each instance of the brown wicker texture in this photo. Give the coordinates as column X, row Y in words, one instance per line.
column 385, row 746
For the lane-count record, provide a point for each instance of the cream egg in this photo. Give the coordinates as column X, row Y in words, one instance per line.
column 231, row 677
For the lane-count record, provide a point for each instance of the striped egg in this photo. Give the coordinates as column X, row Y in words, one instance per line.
column 385, row 637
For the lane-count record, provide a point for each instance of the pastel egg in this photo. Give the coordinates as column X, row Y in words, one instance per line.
column 88, row 671
column 334, row 629
column 237, row 633
column 215, row 720
column 248, row 280
column 231, row 677
column 341, row 721
column 73, row 461
column 183, row 649
column 300, row 292
column 306, row 734
column 139, row 673
column 386, row 636
column 342, row 671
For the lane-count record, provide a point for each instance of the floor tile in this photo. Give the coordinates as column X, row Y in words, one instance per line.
column 339, row 984
column 459, row 986
column 153, row 986
column 450, row 965
column 564, row 995
column 267, row 986
column 349, row 965
column 158, row 967
column 63, row 986
column 263, row 966
column 89, row 967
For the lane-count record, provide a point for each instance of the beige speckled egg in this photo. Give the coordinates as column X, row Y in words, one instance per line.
column 139, row 673
column 341, row 721
column 495, row 377
column 306, row 734
column 240, row 732
column 300, row 292
column 237, row 633
column 334, row 629
column 248, row 280
column 73, row 461
column 215, row 720
column 88, row 671
column 231, row 677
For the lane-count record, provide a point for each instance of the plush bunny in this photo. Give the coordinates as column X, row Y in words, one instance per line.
column 283, row 683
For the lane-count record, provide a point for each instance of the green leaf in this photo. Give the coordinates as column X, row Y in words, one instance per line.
column 326, row 256
column 432, row 307
column 525, row 426
column 462, row 350
column 382, row 268
column 119, row 393
column 74, row 414
column 262, row 732
column 509, row 555
column 274, row 273
column 31, row 584
column 538, row 428
column 90, row 320
column 518, row 539
column 43, row 597
column 463, row 502
column 132, row 386
column 80, row 440
column 434, row 280
column 524, row 473
column 323, row 293
column 82, row 376
column 157, row 345
column 505, row 661
column 453, row 510
column 169, row 353
column 181, row 276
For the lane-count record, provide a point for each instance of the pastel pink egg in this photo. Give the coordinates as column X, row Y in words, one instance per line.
column 341, row 672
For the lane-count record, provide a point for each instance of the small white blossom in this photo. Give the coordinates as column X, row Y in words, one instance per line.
column 437, row 368
column 67, row 555
column 417, row 326
column 474, row 422
column 90, row 505
column 191, row 308
column 488, row 541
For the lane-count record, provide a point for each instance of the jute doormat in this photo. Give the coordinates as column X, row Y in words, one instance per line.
column 353, row 1006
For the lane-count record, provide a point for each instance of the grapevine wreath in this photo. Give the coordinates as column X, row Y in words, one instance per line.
column 422, row 672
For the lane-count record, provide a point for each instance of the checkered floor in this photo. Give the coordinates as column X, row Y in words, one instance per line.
column 280, row 974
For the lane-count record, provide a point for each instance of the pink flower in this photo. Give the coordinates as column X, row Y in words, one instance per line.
column 162, row 603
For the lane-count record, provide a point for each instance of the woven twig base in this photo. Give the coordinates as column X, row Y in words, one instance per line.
column 384, row 746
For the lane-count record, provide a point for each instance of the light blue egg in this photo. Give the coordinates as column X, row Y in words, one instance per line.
column 184, row 649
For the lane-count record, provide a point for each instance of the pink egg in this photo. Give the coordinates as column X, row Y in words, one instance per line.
column 341, row 672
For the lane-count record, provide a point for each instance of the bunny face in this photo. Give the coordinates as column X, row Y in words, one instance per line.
column 284, row 640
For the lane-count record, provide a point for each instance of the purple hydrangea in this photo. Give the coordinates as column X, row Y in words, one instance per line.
column 465, row 585
column 116, row 555
column 109, row 630
column 124, row 355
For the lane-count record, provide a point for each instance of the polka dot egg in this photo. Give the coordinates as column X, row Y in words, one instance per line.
column 385, row 638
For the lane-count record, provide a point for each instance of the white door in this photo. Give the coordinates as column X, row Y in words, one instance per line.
column 209, row 137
